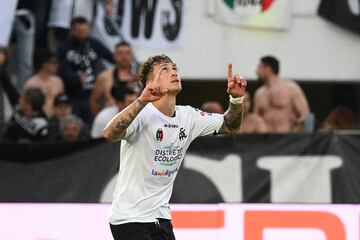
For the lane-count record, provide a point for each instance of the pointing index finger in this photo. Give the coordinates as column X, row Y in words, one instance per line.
column 230, row 74
column 158, row 73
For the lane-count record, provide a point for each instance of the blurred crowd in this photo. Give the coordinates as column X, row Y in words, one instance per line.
column 72, row 95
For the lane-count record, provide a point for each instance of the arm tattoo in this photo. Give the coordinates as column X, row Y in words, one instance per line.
column 116, row 129
column 232, row 118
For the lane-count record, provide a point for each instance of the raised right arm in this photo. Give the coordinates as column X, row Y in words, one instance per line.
column 116, row 128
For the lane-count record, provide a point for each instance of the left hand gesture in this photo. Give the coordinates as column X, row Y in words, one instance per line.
column 236, row 84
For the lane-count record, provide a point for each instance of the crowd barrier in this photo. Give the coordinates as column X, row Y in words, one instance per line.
column 294, row 168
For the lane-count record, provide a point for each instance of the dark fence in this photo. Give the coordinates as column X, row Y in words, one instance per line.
column 322, row 168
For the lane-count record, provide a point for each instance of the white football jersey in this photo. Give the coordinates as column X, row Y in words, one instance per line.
column 151, row 154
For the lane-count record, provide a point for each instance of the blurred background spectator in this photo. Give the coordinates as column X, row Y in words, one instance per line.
column 29, row 122
column 62, row 108
column 252, row 122
column 66, row 25
column 122, row 75
column 341, row 118
column 343, row 114
column 282, row 104
column 123, row 97
column 70, row 129
column 45, row 78
column 6, row 87
column 212, row 107
column 79, row 65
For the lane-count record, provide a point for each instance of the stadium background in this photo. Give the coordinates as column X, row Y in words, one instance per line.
column 312, row 168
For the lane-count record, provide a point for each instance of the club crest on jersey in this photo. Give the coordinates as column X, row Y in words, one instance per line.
column 159, row 135
column 182, row 134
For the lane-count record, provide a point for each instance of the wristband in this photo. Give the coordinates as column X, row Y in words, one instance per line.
column 237, row 101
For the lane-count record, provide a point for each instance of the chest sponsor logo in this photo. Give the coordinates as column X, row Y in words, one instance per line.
column 182, row 134
column 163, row 173
column 168, row 157
column 159, row 135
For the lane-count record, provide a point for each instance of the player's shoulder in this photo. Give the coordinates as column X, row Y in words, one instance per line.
column 193, row 111
column 187, row 109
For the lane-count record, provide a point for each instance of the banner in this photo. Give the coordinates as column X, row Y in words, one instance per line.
column 296, row 168
column 264, row 14
column 6, row 20
column 143, row 23
column 201, row 222
column 345, row 13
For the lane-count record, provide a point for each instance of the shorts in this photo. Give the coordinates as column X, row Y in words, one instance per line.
column 161, row 230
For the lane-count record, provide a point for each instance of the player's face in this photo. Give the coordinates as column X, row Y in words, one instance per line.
column 169, row 77
column 123, row 56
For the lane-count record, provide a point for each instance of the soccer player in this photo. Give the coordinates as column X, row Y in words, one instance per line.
column 156, row 134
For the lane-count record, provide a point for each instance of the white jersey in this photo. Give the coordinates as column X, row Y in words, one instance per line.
column 151, row 154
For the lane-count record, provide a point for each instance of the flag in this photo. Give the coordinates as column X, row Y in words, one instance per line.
column 263, row 14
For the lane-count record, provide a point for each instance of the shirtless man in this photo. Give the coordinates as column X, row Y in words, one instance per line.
column 121, row 74
column 252, row 122
column 46, row 79
column 282, row 104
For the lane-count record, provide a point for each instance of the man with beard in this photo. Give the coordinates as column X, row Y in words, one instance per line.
column 121, row 76
column 282, row 104
column 79, row 65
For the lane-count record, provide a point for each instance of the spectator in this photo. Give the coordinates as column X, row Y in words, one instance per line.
column 212, row 107
column 282, row 104
column 70, row 129
column 60, row 15
column 45, row 78
column 79, row 58
column 340, row 118
column 123, row 97
column 252, row 122
column 62, row 108
column 29, row 122
column 5, row 81
column 122, row 75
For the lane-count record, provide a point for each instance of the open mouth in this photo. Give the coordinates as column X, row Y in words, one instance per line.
column 175, row 81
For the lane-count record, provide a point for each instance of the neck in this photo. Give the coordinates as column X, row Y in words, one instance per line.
column 166, row 105
column 272, row 80
column 43, row 74
column 123, row 73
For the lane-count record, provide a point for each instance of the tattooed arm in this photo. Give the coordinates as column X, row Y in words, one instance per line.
column 233, row 116
column 116, row 128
